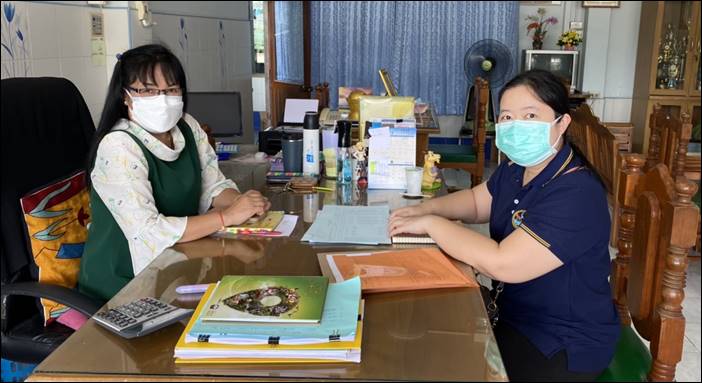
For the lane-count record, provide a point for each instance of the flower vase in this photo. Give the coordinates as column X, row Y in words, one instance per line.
column 537, row 44
column 569, row 47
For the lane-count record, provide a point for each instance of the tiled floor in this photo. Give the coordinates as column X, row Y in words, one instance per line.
column 689, row 369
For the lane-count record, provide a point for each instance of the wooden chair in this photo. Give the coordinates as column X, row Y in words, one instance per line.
column 668, row 140
column 648, row 276
column 600, row 145
column 668, row 144
column 469, row 158
column 577, row 131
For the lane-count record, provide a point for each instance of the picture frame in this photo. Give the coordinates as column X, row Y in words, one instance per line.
column 387, row 82
column 601, row 4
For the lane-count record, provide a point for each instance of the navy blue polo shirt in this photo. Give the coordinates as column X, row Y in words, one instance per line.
column 571, row 307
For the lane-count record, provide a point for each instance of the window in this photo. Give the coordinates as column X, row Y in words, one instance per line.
column 259, row 56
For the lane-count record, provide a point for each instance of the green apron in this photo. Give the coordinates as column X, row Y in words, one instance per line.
column 106, row 265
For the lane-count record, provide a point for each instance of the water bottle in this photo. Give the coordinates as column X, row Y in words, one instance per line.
column 343, row 157
column 310, row 144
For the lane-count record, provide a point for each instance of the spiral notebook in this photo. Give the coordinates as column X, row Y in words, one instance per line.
column 412, row 238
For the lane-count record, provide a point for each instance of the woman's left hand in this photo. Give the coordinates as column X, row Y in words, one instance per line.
column 409, row 225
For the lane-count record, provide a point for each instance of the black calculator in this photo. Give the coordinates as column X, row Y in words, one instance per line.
column 140, row 317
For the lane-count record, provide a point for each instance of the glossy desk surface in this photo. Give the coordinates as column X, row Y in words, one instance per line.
column 419, row 335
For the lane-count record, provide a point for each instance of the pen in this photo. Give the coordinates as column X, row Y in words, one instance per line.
column 191, row 289
column 323, row 188
column 270, row 233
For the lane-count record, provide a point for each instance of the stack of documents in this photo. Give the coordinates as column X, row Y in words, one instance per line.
column 366, row 225
column 337, row 338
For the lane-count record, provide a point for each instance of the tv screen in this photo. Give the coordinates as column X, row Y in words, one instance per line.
column 563, row 64
column 220, row 110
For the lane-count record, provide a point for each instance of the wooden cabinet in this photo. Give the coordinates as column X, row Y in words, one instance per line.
column 667, row 63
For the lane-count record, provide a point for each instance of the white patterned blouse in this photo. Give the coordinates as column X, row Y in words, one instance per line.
column 121, row 179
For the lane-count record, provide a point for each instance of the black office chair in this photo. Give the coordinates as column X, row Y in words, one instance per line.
column 46, row 133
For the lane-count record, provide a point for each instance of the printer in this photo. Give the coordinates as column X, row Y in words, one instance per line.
column 269, row 140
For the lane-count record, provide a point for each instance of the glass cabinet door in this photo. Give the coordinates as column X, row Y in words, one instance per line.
column 695, row 114
column 675, row 34
column 695, row 45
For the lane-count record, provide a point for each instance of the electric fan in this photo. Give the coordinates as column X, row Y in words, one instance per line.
column 491, row 60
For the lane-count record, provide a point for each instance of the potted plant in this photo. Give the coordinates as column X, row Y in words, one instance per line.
column 570, row 40
column 538, row 25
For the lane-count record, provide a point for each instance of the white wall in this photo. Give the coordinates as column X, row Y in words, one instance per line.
column 213, row 42
column 612, row 36
column 608, row 52
column 565, row 12
column 259, row 92
column 57, row 43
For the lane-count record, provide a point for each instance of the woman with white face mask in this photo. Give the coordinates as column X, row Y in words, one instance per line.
column 154, row 176
column 551, row 306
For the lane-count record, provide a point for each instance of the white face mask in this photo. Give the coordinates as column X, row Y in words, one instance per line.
column 157, row 114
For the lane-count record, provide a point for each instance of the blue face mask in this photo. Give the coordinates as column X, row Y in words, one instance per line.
column 527, row 143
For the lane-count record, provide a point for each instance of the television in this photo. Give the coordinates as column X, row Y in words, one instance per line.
column 563, row 64
column 220, row 110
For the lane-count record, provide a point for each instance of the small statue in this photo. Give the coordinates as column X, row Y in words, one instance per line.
column 431, row 172
column 360, row 164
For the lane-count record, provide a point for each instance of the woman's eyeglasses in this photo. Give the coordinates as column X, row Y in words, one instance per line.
column 148, row 92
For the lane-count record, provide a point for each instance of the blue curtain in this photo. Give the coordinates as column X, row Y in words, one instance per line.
column 421, row 44
column 289, row 44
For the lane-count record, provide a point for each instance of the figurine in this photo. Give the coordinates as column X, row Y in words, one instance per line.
column 431, row 173
column 360, row 164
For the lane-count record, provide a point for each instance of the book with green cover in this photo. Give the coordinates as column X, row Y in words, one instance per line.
column 262, row 298
column 339, row 317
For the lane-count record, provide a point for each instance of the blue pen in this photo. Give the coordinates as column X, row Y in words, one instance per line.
column 191, row 289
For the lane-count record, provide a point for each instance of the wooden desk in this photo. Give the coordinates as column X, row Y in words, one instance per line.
column 421, row 335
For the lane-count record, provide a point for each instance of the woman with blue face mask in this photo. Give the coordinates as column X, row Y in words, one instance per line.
column 548, row 256
column 153, row 175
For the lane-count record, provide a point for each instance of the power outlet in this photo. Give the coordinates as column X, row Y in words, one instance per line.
column 577, row 25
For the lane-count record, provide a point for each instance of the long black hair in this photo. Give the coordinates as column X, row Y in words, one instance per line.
column 552, row 92
column 135, row 64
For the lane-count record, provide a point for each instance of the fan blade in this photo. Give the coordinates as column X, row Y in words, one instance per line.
column 490, row 59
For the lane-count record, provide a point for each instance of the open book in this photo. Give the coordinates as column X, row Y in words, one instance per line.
column 395, row 270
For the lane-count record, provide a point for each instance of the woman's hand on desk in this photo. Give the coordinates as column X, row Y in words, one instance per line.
column 409, row 225
column 409, row 211
column 246, row 206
